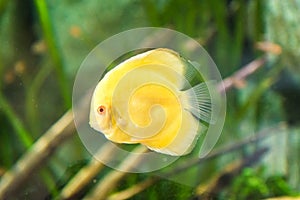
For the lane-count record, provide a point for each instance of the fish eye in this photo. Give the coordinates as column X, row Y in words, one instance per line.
column 101, row 110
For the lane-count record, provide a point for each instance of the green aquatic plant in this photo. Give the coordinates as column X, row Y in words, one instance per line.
column 252, row 184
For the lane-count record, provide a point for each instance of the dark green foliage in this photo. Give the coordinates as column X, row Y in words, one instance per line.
column 252, row 185
column 226, row 25
column 166, row 190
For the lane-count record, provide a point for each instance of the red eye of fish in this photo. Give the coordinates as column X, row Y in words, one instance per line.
column 101, row 110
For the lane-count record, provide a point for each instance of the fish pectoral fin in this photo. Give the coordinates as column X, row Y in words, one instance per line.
column 121, row 122
column 198, row 101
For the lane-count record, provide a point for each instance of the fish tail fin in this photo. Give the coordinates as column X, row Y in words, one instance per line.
column 198, row 102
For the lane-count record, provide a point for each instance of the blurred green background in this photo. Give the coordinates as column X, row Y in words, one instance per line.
column 43, row 43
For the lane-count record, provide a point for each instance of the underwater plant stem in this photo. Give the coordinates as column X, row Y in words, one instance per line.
column 137, row 188
column 31, row 98
column 53, row 50
column 48, row 181
column 18, row 126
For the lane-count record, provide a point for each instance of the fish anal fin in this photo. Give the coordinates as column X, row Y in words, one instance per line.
column 186, row 138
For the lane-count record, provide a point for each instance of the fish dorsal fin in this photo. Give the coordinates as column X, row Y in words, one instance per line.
column 198, row 101
column 164, row 62
column 191, row 74
column 162, row 56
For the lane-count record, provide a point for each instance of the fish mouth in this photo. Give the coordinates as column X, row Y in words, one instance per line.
column 105, row 131
column 95, row 126
column 105, row 127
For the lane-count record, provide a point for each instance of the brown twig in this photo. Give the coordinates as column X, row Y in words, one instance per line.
column 109, row 182
column 34, row 157
column 239, row 77
column 128, row 193
column 87, row 173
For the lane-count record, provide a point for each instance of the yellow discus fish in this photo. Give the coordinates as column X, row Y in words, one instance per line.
column 142, row 101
